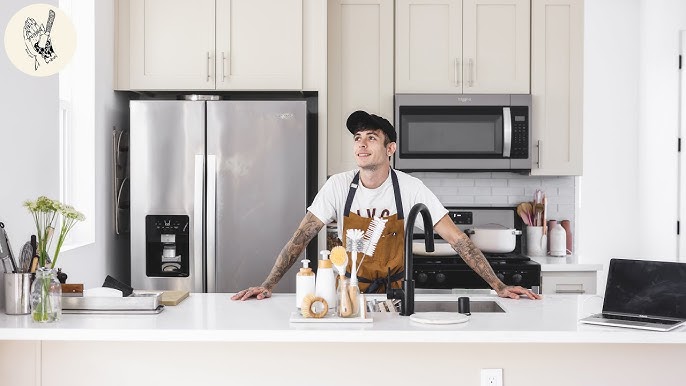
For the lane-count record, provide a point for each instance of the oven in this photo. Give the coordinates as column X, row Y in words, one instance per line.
column 463, row 132
column 445, row 269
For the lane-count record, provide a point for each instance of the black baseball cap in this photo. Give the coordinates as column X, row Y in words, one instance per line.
column 370, row 121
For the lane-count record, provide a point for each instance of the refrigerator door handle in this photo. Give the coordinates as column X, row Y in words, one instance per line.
column 211, row 223
column 197, row 224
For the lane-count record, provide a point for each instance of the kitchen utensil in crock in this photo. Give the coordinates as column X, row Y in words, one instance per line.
column 25, row 257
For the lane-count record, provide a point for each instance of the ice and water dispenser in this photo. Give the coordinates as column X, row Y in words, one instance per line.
column 167, row 246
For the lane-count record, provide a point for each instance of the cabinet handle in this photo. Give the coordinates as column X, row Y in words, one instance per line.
column 457, row 72
column 539, row 145
column 208, row 66
column 223, row 64
column 561, row 291
column 471, row 72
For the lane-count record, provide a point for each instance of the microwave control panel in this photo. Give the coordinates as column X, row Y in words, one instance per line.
column 520, row 132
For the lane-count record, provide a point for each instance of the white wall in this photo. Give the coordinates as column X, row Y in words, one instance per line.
column 29, row 151
column 661, row 22
column 108, row 255
column 627, row 203
column 29, row 139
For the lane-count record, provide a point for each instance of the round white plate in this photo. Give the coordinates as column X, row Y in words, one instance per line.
column 439, row 317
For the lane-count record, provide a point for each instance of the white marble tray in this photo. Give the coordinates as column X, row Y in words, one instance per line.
column 331, row 317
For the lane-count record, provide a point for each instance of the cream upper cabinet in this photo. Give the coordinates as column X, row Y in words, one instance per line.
column 210, row 44
column 495, row 46
column 462, row 46
column 360, row 71
column 259, row 45
column 428, row 40
column 172, row 43
column 557, row 86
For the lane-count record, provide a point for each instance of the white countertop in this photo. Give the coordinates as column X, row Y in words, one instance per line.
column 214, row 317
column 564, row 263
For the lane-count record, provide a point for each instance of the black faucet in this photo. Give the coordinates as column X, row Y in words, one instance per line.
column 406, row 294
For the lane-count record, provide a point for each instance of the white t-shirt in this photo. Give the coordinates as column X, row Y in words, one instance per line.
column 329, row 203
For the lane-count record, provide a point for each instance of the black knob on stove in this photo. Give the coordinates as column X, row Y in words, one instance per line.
column 500, row 276
column 440, row 277
column 517, row 278
column 422, row 277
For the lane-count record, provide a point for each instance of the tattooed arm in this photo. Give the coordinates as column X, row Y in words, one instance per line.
column 476, row 260
column 309, row 227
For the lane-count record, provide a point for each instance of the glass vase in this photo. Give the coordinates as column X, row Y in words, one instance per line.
column 46, row 296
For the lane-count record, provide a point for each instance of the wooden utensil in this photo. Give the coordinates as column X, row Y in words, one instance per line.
column 538, row 218
column 523, row 214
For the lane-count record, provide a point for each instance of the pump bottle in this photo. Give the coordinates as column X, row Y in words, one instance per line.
column 325, row 283
column 304, row 283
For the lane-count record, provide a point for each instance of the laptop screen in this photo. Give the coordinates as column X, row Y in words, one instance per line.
column 653, row 288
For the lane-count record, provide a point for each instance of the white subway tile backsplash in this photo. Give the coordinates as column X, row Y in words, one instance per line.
column 474, row 175
column 501, row 200
column 561, row 200
column 502, row 188
column 524, row 183
column 474, row 191
column 444, row 190
column 516, row 200
column 457, row 200
column 490, row 182
column 568, row 191
column 457, row 182
column 507, row 191
column 552, row 182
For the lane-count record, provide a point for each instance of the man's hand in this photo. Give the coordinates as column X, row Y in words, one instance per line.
column 258, row 292
column 515, row 292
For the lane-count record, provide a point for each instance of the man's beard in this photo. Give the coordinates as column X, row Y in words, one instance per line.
column 370, row 168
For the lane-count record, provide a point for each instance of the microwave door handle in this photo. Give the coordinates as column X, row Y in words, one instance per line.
column 507, row 132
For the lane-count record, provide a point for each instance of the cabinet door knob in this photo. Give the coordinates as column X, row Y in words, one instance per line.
column 208, row 66
column 457, row 72
column 471, row 72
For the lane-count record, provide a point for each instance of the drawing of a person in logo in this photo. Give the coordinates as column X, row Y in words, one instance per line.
column 37, row 40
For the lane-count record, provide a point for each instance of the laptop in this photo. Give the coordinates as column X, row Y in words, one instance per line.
column 648, row 295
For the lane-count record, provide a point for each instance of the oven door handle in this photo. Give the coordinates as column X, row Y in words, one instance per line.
column 507, row 132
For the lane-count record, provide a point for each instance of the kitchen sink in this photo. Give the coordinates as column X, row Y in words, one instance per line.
column 451, row 306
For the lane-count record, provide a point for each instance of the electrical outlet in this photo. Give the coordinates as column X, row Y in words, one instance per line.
column 491, row 377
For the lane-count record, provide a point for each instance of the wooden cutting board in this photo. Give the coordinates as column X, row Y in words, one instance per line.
column 172, row 298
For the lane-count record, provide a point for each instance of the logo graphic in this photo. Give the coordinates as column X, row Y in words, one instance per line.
column 40, row 40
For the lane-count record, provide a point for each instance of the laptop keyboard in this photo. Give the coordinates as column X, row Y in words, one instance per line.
column 636, row 319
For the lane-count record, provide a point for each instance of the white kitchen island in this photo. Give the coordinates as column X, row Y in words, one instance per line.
column 209, row 338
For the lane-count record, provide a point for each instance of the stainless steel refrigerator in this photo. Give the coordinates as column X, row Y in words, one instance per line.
column 217, row 189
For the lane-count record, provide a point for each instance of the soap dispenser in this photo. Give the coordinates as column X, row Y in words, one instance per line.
column 325, row 283
column 304, row 283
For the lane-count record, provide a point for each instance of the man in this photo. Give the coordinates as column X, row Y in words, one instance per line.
column 353, row 198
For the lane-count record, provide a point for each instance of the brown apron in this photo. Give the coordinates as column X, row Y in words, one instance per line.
column 372, row 274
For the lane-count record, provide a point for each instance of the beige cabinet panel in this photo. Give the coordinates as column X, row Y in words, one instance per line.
column 496, row 46
column 462, row 46
column 259, row 44
column 210, row 44
column 428, row 46
column 172, row 44
column 569, row 282
column 557, row 86
column 360, row 71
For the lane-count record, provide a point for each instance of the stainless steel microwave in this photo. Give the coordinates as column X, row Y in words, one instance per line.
column 470, row 132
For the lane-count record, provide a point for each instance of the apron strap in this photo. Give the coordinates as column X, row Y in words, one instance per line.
column 375, row 284
column 351, row 194
column 396, row 192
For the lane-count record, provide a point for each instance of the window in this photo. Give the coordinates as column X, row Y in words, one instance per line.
column 77, row 124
